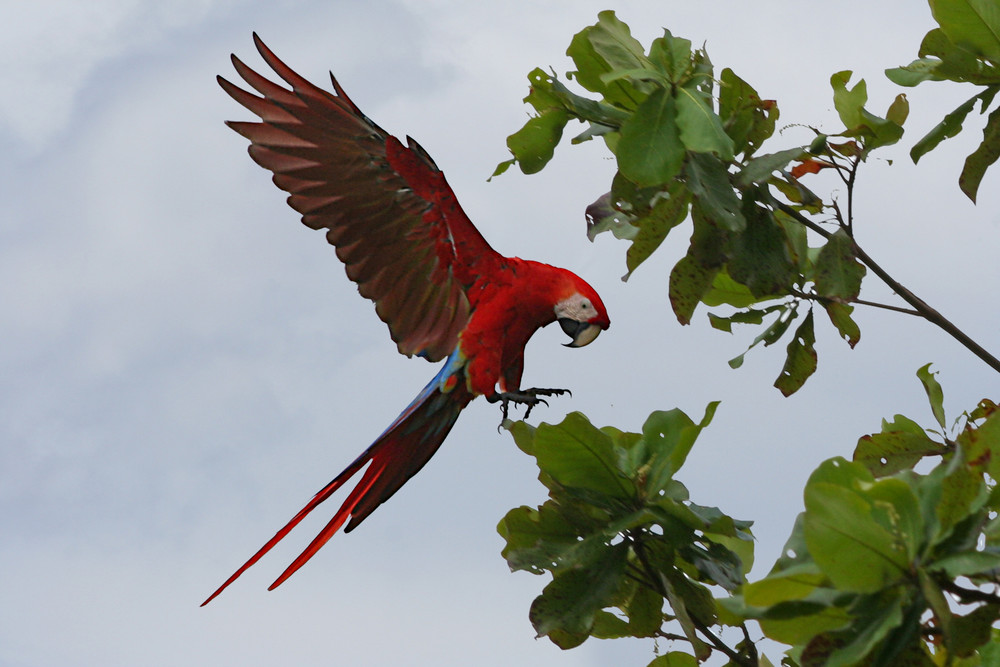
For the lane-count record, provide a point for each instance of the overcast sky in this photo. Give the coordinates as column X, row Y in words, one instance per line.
column 183, row 364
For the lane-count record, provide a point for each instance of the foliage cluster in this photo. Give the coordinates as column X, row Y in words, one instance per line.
column 886, row 565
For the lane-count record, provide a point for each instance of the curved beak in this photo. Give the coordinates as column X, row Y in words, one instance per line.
column 582, row 333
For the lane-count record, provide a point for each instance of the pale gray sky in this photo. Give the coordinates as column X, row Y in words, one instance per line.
column 183, row 364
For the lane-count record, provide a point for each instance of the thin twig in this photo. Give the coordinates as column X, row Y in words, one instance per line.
column 812, row 296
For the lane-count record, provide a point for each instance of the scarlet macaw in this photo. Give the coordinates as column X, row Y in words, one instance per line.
column 403, row 238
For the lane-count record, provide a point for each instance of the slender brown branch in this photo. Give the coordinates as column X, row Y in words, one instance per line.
column 928, row 313
column 919, row 305
column 885, row 306
column 812, row 296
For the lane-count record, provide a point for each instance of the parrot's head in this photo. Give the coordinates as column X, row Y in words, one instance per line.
column 581, row 314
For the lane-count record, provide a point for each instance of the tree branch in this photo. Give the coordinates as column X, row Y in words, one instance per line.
column 919, row 305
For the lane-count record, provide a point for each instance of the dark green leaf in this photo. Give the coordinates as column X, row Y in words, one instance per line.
column 654, row 226
column 650, row 151
column 535, row 538
column 577, row 454
column 645, row 612
column 934, row 393
column 838, row 272
column 947, row 128
column 840, row 316
column 708, row 179
column 982, row 158
column 748, row 120
column 874, row 621
column 700, row 129
column 971, row 631
column 566, row 608
column 889, row 452
column 689, row 282
column 760, row 255
column 771, row 334
column 967, row 563
column 801, row 359
column 670, row 435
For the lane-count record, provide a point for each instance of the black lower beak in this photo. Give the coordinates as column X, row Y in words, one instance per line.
column 582, row 333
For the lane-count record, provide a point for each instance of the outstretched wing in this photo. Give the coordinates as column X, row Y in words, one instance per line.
column 390, row 214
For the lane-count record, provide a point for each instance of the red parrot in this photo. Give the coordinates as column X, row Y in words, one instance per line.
column 435, row 281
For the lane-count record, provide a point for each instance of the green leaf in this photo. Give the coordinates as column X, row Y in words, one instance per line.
column 700, row 129
column 760, row 255
column 674, row 659
column 946, row 129
column 849, row 103
column 727, row 291
column 974, row 24
column 771, row 334
column 801, row 359
column 875, row 619
column 887, row 453
column 840, row 316
column 650, row 151
column 606, row 47
column 962, row 493
column 566, row 608
column 671, row 56
column 934, row 393
column 973, row 630
column 844, row 537
column 535, row 538
column 981, row 444
column 654, row 226
column 669, row 436
column 534, row 144
column 898, row 110
column 966, row 563
column 747, row 119
column 838, row 272
column 645, row 612
column 982, row 158
column 690, row 280
column 576, row 454
column 918, row 71
column 760, row 168
column 708, row 179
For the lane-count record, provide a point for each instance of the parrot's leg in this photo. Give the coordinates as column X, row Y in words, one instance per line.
column 528, row 397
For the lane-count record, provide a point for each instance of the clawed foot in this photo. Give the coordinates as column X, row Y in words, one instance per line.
column 528, row 397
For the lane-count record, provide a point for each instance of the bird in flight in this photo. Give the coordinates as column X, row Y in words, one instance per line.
column 403, row 238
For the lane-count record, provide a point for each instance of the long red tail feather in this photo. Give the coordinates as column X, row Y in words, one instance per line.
column 397, row 455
